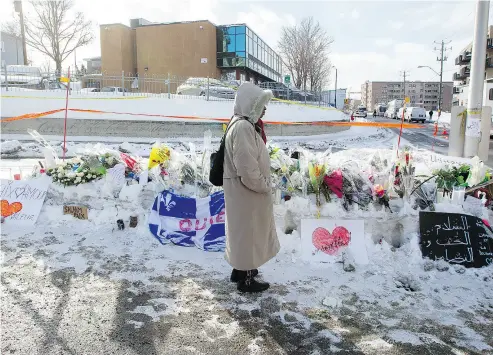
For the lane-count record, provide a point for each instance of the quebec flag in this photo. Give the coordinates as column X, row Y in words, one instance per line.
column 189, row 221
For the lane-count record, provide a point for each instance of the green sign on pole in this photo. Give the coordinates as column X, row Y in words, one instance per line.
column 287, row 79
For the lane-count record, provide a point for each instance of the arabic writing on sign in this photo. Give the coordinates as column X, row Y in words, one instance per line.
column 456, row 238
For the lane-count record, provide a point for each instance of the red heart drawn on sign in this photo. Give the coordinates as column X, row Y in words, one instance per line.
column 9, row 209
column 330, row 243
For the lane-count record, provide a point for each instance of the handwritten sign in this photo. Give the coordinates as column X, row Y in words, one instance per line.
column 21, row 200
column 79, row 212
column 456, row 238
column 116, row 174
column 322, row 240
column 473, row 123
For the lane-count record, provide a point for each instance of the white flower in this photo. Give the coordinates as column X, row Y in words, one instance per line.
column 60, row 169
column 89, row 176
column 60, row 175
column 80, row 174
column 77, row 180
column 71, row 174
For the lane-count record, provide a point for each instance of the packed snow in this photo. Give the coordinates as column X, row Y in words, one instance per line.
column 151, row 108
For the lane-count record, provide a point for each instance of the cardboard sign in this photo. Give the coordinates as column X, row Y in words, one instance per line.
column 456, row 238
column 322, row 240
column 21, row 200
column 79, row 212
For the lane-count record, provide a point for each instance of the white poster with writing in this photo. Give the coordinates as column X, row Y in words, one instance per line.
column 22, row 200
column 473, row 124
column 322, row 240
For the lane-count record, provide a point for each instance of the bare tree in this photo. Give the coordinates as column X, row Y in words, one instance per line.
column 54, row 31
column 305, row 48
column 12, row 27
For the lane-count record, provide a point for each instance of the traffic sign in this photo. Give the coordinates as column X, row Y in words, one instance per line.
column 407, row 100
column 287, row 79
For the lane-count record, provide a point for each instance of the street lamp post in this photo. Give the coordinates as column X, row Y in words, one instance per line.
column 335, row 92
column 440, row 87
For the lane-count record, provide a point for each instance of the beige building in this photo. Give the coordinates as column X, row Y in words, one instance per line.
column 197, row 49
column 421, row 93
column 462, row 76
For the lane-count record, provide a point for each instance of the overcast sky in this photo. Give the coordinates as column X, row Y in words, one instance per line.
column 372, row 40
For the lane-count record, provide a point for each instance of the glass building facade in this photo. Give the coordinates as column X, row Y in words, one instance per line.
column 238, row 47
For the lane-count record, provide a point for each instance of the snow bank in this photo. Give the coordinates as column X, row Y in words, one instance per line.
column 134, row 107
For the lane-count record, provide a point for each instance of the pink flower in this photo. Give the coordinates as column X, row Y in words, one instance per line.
column 379, row 191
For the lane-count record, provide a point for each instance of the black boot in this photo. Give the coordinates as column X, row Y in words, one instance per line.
column 238, row 275
column 250, row 285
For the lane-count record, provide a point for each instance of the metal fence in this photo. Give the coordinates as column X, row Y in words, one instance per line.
column 152, row 85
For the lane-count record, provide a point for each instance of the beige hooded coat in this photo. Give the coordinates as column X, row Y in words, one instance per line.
column 251, row 238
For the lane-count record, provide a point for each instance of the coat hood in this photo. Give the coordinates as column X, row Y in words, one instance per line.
column 250, row 101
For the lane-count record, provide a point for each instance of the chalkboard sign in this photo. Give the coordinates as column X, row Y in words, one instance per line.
column 456, row 238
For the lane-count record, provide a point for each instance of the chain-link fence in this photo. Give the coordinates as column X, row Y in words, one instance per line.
column 21, row 78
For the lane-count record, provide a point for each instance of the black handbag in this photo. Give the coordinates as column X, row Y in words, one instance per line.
column 217, row 160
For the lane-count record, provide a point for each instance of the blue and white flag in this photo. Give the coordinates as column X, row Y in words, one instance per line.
column 189, row 221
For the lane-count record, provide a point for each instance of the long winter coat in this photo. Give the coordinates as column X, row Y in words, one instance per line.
column 251, row 238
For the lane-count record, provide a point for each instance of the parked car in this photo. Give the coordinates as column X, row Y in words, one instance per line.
column 360, row 112
column 417, row 114
column 55, row 85
column 89, row 90
column 279, row 90
column 113, row 89
column 199, row 87
column 23, row 76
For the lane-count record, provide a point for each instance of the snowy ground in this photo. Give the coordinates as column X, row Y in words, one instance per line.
column 24, row 146
column 16, row 103
column 83, row 287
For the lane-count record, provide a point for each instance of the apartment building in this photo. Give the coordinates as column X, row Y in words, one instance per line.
column 187, row 49
column 421, row 93
column 11, row 49
column 462, row 76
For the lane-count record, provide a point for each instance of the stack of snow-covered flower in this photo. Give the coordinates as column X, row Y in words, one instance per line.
column 74, row 172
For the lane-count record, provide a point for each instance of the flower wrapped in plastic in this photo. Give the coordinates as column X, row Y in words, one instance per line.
column 316, row 172
column 381, row 196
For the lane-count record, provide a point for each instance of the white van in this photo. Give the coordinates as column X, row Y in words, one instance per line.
column 417, row 114
column 399, row 113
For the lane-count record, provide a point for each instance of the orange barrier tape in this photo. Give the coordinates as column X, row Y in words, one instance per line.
column 320, row 123
column 30, row 116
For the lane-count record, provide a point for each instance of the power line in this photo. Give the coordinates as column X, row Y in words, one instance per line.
column 442, row 57
column 404, row 73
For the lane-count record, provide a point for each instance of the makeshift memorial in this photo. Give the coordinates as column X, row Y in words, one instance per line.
column 322, row 239
column 133, row 221
column 187, row 221
column 120, row 224
column 73, row 172
column 79, row 212
column 382, row 196
column 21, row 200
column 456, row 238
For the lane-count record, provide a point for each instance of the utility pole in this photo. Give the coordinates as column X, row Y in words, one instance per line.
column 18, row 8
column 476, row 83
column 404, row 73
column 441, row 59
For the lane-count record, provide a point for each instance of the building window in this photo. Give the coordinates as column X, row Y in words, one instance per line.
column 490, row 94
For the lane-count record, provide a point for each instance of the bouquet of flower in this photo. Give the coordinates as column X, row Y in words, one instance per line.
column 71, row 173
column 381, row 196
column 316, row 172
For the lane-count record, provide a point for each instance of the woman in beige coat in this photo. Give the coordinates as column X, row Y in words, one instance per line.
column 251, row 238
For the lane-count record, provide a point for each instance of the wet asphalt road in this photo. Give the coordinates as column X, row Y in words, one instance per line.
column 423, row 138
